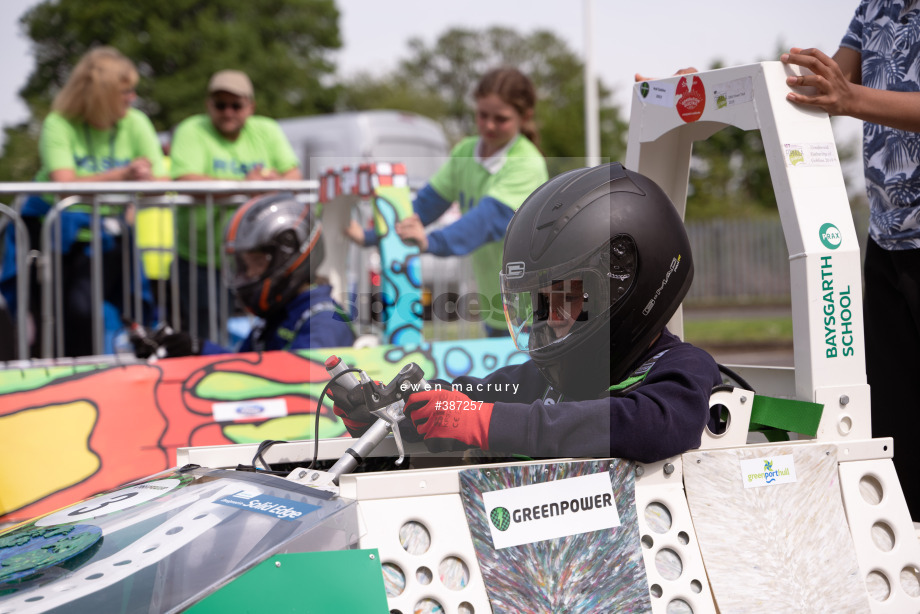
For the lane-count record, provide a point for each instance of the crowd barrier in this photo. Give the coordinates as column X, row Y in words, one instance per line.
column 145, row 212
column 752, row 267
column 115, row 206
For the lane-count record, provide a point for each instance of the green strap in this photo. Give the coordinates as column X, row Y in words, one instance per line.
column 626, row 383
column 636, row 377
column 775, row 418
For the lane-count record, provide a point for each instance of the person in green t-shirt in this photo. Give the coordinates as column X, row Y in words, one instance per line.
column 228, row 143
column 92, row 134
column 490, row 176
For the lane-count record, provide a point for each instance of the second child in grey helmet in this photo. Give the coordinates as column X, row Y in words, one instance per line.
column 274, row 246
column 595, row 263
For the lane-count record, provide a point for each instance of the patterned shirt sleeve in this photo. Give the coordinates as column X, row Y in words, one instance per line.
column 853, row 38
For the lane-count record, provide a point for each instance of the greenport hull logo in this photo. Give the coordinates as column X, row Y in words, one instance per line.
column 769, row 471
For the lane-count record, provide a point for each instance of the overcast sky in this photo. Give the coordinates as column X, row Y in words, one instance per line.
column 651, row 37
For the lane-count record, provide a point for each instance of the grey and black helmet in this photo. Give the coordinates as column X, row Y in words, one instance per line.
column 595, row 263
column 274, row 246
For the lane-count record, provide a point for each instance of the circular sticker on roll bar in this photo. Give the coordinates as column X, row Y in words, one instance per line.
column 692, row 98
column 830, row 236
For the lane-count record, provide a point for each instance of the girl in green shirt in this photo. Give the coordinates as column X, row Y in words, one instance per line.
column 489, row 176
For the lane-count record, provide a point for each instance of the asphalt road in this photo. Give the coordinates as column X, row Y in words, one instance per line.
column 761, row 357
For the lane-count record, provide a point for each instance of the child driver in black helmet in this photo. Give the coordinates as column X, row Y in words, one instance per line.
column 595, row 263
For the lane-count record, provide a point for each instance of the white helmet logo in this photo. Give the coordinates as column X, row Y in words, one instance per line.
column 514, row 270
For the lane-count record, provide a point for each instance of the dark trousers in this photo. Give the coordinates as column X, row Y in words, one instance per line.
column 892, row 324
column 78, row 302
column 76, row 287
column 7, row 333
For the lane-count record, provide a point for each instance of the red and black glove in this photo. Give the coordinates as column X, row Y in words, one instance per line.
column 353, row 412
column 444, row 415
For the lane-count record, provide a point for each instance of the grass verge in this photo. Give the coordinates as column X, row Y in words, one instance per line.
column 739, row 331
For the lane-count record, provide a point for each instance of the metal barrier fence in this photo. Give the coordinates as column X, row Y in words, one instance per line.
column 735, row 260
column 745, row 261
column 103, row 199
column 741, row 260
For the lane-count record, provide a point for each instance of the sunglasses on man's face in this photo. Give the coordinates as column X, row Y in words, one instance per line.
column 220, row 106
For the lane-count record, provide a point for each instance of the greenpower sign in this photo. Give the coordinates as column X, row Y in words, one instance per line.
column 548, row 510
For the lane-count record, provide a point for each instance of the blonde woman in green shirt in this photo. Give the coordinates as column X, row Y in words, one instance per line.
column 92, row 134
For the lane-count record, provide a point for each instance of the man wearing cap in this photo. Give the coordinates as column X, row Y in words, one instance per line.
column 228, row 143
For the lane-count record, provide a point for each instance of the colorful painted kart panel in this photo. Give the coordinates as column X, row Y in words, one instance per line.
column 401, row 271
column 67, row 433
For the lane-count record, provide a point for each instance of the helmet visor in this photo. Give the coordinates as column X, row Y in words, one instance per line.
column 548, row 306
column 280, row 255
column 543, row 316
column 249, row 266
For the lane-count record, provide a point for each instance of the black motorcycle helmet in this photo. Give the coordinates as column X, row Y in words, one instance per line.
column 273, row 245
column 595, row 263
